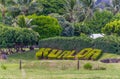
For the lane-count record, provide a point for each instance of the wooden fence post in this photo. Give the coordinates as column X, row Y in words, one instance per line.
column 78, row 64
column 20, row 64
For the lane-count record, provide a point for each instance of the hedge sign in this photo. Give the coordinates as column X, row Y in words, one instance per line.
column 85, row 54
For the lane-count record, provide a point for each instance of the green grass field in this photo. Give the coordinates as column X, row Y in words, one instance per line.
column 55, row 69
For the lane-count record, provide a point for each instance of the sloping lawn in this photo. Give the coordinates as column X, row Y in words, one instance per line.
column 55, row 69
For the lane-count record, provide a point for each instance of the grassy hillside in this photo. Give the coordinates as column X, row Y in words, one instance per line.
column 29, row 55
column 56, row 69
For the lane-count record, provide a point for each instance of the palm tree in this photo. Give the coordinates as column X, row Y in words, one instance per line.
column 88, row 6
column 116, row 6
column 25, row 6
column 3, row 9
column 22, row 22
column 73, row 10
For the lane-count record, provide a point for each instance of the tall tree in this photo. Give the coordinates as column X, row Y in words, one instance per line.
column 3, row 9
column 116, row 6
column 25, row 7
column 88, row 6
column 52, row 6
column 73, row 10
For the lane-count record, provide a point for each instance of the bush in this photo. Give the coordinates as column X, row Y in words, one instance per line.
column 46, row 52
column 12, row 36
column 46, row 26
column 52, row 6
column 3, row 67
column 67, row 43
column 96, row 54
column 88, row 66
column 116, row 17
column 43, row 52
column 66, row 54
column 71, row 55
column 59, row 54
column 39, row 53
column 99, row 20
column 112, row 28
column 109, row 44
column 54, row 54
column 83, row 53
column 80, row 28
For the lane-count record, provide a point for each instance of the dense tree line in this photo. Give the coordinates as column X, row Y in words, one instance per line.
column 21, row 19
column 17, row 38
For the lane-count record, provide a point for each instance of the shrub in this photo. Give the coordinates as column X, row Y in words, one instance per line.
column 43, row 52
column 88, row 66
column 12, row 36
column 66, row 54
column 83, row 53
column 112, row 28
column 109, row 44
column 88, row 56
column 99, row 20
column 54, row 54
column 39, row 54
column 87, row 53
column 52, row 6
column 70, row 55
column 116, row 17
column 61, row 55
column 96, row 54
column 46, row 26
column 46, row 52
column 3, row 67
column 80, row 28
column 67, row 43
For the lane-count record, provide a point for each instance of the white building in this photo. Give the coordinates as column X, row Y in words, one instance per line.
column 94, row 36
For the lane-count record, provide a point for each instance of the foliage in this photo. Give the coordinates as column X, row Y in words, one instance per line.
column 3, row 67
column 11, row 36
column 25, row 7
column 86, row 53
column 39, row 53
column 68, row 29
column 99, row 20
column 108, row 44
column 46, row 26
column 66, row 43
column 73, row 11
column 88, row 8
column 116, row 6
column 116, row 17
column 54, row 54
column 52, row 6
column 96, row 54
column 88, row 66
column 112, row 28
column 83, row 53
column 0, row 17
column 89, row 54
column 23, row 22
column 81, row 28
